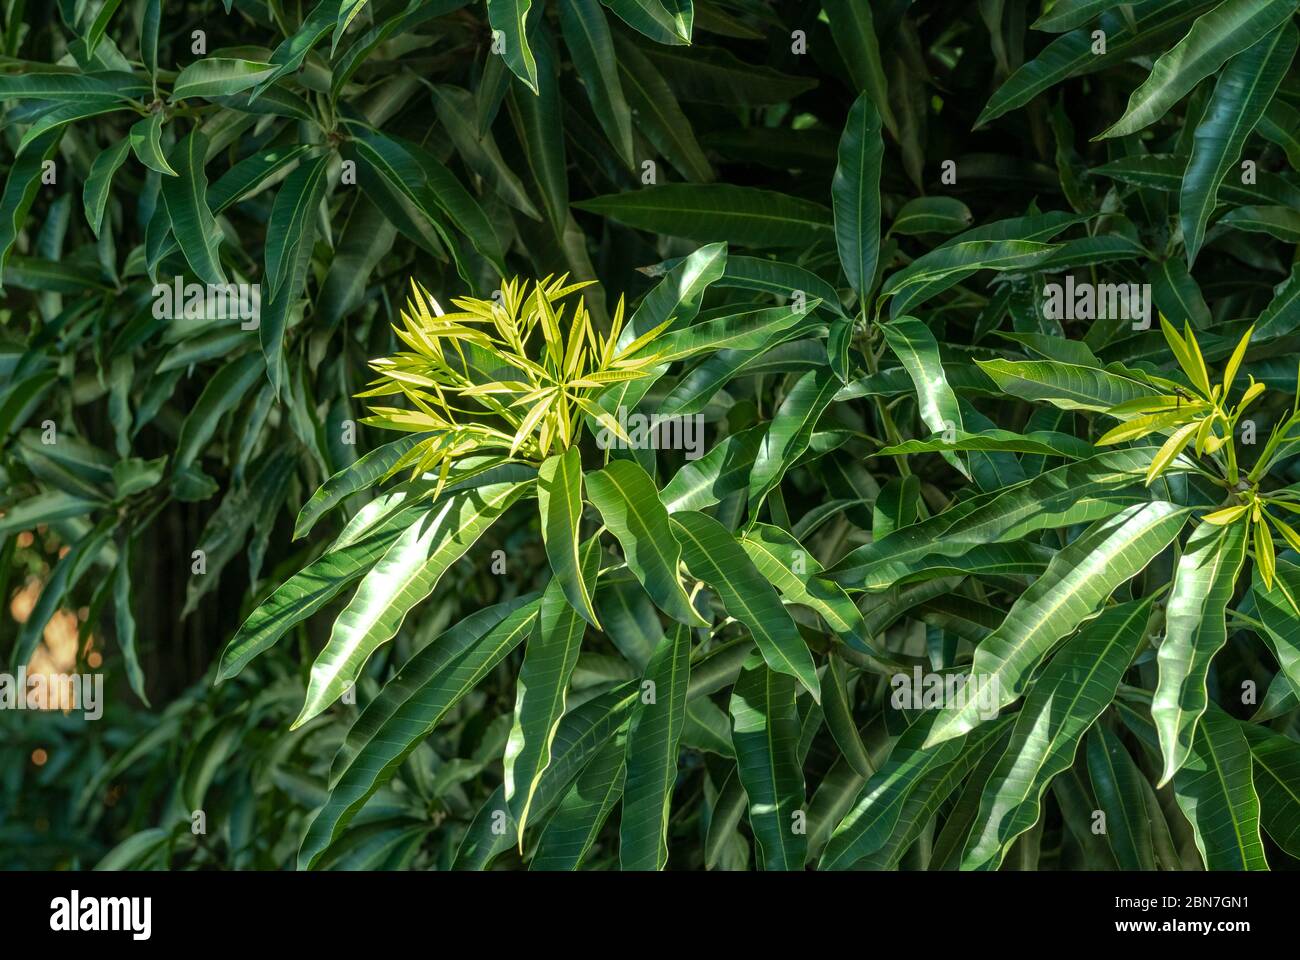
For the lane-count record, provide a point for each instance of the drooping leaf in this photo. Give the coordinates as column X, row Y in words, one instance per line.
column 765, row 732
column 1194, row 632
column 652, row 742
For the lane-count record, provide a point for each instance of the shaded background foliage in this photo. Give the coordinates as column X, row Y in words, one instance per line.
column 182, row 435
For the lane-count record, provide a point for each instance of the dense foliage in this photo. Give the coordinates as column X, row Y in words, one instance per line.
column 332, row 342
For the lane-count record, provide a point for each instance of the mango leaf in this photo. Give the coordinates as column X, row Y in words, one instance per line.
column 218, row 77
column 310, row 589
column 404, row 576
column 1075, row 493
column 765, row 732
column 1240, row 97
column 1275, row 765
column 1068, row 696
column 1215, row 37
column 855, row 193
column 722, row 471
column 187, row 206
column 790, row 432
column 559, row 501
column 395, row 723
column 659, row 116
column 924, row 215
column 574, row 827
column 1076, row 583
column 1070, row 386
column 1046, row 442
column 651, row 18
column 20, row 191
column 652, row 743
column 582, row 732
column 854, row 32
column 790, row 567
column 626, row 498
column 587, row 36
column 711, row 212
column 1195, row 631
column 1281, row 628
column 877, row 812
column 231, row 383
column 1146, row 27
column 838, row 704
column 95, row 193
column 747, row 330
column 1215, row 791
column 915, row 346
column 542, row 690
column 713, row 555
column 366, row 471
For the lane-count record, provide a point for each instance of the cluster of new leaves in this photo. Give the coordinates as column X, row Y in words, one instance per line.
column 962, row 564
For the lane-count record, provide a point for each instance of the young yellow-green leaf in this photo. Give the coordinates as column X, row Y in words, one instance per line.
column 1142, row 426
column 1188, row 355
column 1225, row 516
column 1072, row 590
column 559, row 502
column 1230, row 371
column 1265, row 559
column 713, row 555
column 1195, row 631
column 652, row 742
column 1172, row 448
